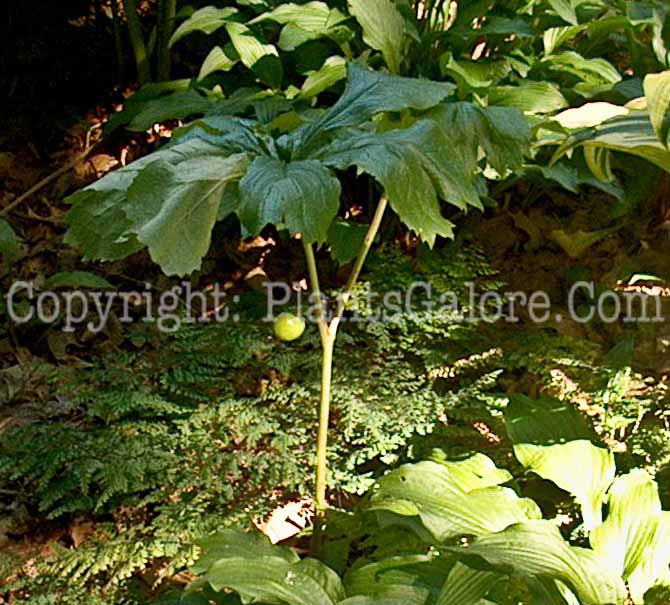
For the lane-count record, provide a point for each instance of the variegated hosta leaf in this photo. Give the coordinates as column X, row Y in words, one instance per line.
column 536, row 548
column 657, row 93
column 578, row 467
column 633, row 539
column 451, row 500
column 631, row 133
column 206, row 20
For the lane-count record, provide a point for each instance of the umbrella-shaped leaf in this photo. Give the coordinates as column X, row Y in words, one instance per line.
column 302, row 195
column 173, row 209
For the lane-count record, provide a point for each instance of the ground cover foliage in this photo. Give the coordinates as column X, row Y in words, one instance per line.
column 129, row 461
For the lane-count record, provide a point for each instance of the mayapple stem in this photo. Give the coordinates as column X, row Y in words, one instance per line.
column 328, row 333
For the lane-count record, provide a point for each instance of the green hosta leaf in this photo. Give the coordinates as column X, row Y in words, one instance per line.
column 260, row 57
column 369, row 93
column 331, row 72
column 565, row 9
column 544, row 421
column 633, row 537
column 536, row 548
column 345, row 240
column 474, row 74
column 77, row 279
column 466, row 586
column 231, row 543
column 596, row 75
column 502, row 132
column 263, row 573
column 554, row 37
column 206, row 20
column 173, row 209
column 302, row 195
column 413, row 169
column 217, row 60
column 416, row 578
column 10, row 248
column 531, row 97
column 657, row 93
column 434, row 493
column 383, row 29
column 557, row 463
column 304, row 22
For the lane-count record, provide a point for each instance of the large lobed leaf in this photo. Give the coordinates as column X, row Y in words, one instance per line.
column 369, row 93
column 303, row 195
column 168, row 210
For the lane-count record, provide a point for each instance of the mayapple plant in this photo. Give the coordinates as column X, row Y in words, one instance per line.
column 282, row 170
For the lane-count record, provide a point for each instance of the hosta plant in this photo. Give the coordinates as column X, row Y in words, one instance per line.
column 268, row 173
column 483, row 543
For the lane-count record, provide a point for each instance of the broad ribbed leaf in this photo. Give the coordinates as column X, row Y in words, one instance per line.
column 435, row 493
column 332, row 71
column 536, row 548
column 544, row 421
column 259, row 571
column 473, row 74
column 231, row 543
column 565, row 9
column 217, row 60
column 530, row 97
column 174, row 106
column 466, row 586
column 369, row 93
column 260, row 57
column 345, row 239
column 273, row 580
column 304, row 22
column 558, row 463
column 502, row 132
column 413, row 168
column 657, row 93
column 414, row 577
column 173, row 209
column 633, row 537
column 383, row 29
column 302, row 195
column 206, row 20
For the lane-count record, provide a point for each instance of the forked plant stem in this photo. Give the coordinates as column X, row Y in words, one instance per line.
column 328, row 333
